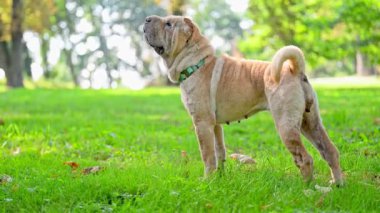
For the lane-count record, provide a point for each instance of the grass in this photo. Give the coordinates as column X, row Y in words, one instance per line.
column 138, row 137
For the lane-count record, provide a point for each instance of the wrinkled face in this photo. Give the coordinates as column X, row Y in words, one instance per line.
column 167, row 35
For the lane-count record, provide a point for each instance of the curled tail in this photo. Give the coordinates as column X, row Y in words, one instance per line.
column 292, row 53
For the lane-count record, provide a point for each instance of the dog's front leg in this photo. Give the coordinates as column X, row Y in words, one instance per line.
column 206, row 139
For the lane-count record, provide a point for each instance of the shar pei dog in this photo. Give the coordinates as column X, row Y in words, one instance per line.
column 218, row 90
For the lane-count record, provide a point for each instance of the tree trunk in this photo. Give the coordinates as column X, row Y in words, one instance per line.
column 361, row 67
column 44, row 56
column 69, row 61
column 4, row 56
column 68, row 50
column 27, row 60
column 105, row 50
column 14, row 73
column 97, row 23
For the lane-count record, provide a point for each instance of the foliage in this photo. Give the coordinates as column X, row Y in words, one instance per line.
column 38, row 16
column 216, row 19
column 332, row 34
column 109, row 20
column 326, row 31
column 5, row 20
column 362, row 20
column 139, row 146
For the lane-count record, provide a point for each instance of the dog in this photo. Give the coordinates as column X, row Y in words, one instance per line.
column 219, row 90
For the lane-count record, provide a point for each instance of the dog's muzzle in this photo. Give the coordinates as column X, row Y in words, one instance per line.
column 148, row 29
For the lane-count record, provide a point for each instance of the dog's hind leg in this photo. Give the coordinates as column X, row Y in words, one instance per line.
column 290, row 135
column 287, row 112
column 313, row 130
column 219, row 146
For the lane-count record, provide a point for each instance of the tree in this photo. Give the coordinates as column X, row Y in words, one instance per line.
column 326, row 31
column 177, row 7
column 11, row 52
column 107, row 21
column 223, row 24
column 362, row 23
column 65, row 27
column 16, row 16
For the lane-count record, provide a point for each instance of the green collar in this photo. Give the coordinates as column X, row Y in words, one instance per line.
column 190, row 70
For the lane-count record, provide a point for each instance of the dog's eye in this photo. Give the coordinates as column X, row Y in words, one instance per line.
column 168, row 24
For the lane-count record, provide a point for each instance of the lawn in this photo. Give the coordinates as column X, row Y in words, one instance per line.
column 149, row 161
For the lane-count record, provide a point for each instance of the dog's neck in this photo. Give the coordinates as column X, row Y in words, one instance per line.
column 190, row 55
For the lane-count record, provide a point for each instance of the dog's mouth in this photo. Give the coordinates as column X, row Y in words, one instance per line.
column 159, row 49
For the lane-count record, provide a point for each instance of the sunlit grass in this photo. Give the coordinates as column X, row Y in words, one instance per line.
column 138, row 137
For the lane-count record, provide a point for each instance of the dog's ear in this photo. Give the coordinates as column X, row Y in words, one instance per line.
column 193, row 30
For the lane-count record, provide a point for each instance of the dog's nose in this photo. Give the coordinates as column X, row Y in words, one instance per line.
column 148, row 19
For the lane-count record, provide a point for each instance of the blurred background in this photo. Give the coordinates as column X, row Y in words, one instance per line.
column 99, row 43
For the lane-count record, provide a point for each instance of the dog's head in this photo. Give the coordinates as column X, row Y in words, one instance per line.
column 169, row 35
column 178, row 41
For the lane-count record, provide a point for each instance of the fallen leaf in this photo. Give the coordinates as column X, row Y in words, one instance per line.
column 370, row 153
column 264, row 207
column 319, row 202
column 376, row 121
column 91, row 170
column 4, row 179
column 234, row 156
column 185, row 157
column 244, row 159
column 17, row 151
column 184, row 154
column 323, row 189
column 209, row 205
column 72, row 164
column 247, row 160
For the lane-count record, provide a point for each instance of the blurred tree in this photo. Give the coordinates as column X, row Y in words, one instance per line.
column 218, row 21
column 361, row 19
column 326, row 31
column 11, row 51
column 40, row 18
column 177, row 7
column 16, row 16
column 65, row 21
column 89, row 29
column 131, row 17
column 97, row 22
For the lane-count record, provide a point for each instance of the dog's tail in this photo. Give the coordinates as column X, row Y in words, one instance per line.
column 292, row 53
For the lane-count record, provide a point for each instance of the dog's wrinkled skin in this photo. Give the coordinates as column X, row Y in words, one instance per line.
column 229, row 89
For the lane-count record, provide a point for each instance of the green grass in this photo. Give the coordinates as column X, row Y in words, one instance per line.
column 138, row 138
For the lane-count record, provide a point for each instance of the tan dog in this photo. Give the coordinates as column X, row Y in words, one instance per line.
column 220, row 90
